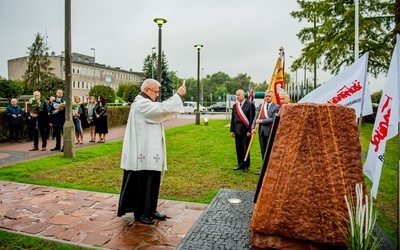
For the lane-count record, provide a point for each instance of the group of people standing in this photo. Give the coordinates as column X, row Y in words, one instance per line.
column 43, row 116
column 245, row 119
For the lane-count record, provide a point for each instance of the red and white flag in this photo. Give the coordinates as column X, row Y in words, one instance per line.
column 386, row 122
column 346, row 88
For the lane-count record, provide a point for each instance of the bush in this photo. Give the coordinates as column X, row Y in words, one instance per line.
column 102, row 90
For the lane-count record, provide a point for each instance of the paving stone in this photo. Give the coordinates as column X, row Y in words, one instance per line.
column 61, row 219
column 16, row 214
column 36, row 228
column 96, row 239
column 53, row 231
column 67, row 234
column 88, row 226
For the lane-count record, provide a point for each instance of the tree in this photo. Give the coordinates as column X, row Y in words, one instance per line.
column 131, row 92
column 376, row 97
column 330, row 40
column 10, row 89
column 102, row 90
column 166, row 78
column 122, row 88
column 50, row 85
column 38, row 65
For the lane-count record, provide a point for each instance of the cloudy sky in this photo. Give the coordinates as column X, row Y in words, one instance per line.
column 238, row 36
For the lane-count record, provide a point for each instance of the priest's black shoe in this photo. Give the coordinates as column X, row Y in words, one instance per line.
column 146, row 220
column 159, row 216
column 238, row 168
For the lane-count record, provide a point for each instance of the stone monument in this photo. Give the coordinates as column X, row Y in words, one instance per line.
column 314, row 162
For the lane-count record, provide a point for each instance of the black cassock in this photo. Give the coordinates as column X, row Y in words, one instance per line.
column 139, row 193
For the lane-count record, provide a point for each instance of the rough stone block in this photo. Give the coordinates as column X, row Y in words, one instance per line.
column 314, row 162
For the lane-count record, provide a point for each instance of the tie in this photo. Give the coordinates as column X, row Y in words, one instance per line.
column 267, row 106
column 240, row 104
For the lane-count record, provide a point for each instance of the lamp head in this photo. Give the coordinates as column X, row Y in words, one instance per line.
column 160, row 21
column 198, row 46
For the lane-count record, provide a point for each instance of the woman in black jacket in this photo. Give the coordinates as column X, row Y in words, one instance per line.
column 100, row 112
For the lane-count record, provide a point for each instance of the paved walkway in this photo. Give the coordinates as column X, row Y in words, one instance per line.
column 87, row 218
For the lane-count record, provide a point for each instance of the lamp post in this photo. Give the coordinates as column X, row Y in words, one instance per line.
column 202, row 87
column 159, row 22
column 69, row 127
column 94, row 65
column 152, row 62
column 198, row 47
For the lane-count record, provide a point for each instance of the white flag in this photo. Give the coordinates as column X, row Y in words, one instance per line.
column 386, row 122
column 346, row 88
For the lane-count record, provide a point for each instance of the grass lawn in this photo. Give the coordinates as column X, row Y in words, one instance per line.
column 200, row 162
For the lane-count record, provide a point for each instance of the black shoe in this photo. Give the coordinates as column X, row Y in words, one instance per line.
column 34, row 149
column 159, row 216
column 258, row 173
column 146, row 220
column 54, row 149
column 245, row 170
column 238, row 168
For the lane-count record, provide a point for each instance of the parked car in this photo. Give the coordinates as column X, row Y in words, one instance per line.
column 191, row 107
column 218, row 107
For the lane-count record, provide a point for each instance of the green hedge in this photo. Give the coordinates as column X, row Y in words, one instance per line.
column 117, row 116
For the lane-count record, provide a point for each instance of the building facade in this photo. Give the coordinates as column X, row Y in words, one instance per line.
column 86, row 73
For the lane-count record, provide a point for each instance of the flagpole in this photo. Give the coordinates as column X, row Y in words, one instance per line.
column 259, row 112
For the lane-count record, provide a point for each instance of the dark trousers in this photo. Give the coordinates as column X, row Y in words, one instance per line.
column 57, row 134
column 15, row 131
column 139, row 192
column 263, row 144
column 36, row 129
column 242, row 143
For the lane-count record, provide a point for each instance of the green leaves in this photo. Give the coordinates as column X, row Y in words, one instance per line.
column 329, row 36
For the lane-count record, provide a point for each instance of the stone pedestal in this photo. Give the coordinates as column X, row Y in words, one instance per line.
column 314, row 162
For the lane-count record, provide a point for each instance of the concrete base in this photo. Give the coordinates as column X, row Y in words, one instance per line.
column 69, row 139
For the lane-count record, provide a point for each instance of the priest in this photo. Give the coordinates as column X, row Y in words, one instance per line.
column 144, row 153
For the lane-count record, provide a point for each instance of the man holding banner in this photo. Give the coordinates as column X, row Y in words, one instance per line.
column 242, row 115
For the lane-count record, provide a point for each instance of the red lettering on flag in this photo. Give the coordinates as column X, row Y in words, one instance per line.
column 346, row 92
column 381, row 132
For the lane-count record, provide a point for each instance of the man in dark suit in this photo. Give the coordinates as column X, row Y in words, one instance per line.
column 57, row 118
column 268, row 111
column 243, row 113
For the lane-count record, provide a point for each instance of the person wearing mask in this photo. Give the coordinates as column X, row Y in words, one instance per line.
column 100, row 112
column 91, row 118
column 16, row 121
column 144, row 153
column 242, row 115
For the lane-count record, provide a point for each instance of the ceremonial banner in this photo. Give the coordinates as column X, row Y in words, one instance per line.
column 277, row 85
column 386, row 122
column 346, row 88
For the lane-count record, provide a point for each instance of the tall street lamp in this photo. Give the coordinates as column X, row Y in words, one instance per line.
column 152, row 62
column 159, row 22
column 69, row 127
column 198, row 47
column 94, row 65
column 202, row 87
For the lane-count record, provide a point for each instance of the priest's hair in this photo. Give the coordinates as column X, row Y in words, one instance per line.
column 149, row 83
